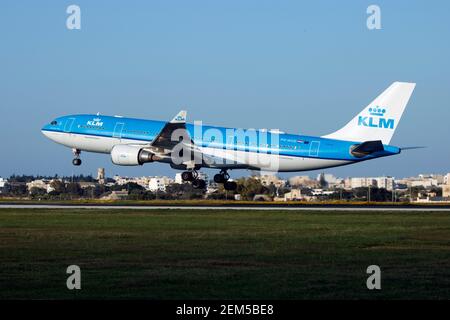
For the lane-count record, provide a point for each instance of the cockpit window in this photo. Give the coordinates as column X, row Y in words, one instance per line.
column 54, row 123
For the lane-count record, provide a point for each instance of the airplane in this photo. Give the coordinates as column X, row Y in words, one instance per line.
column 133, row 142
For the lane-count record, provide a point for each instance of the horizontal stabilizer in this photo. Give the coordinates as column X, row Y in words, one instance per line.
column 367, row 147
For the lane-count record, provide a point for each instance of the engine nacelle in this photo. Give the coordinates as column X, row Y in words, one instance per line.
column 125, row 155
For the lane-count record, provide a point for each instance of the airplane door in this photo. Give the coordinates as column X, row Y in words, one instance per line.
column 314, row 148
column 118, row 130
column 68, row 125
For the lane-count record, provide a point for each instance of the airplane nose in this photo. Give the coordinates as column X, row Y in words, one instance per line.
column 45, row 131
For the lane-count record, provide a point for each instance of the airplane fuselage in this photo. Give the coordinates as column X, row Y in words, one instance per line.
column 100, row 134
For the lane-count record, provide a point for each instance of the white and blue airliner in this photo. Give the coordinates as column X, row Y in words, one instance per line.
column 189, row 147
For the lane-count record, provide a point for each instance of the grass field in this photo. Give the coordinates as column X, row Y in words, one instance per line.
column 179, row 254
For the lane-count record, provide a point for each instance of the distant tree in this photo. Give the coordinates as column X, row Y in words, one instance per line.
column 376, row 194
column 136, row 194
column 380, row 195
column 183, row 191
column 217, row 196
column 58, row 186
column 130, row 186
column 415, row 191
column 21, row 178
column 360, row 193
column 271, row 190
column 74, row 189
column 249, row 187
column 436, row 190
column 36, row 192
column 17, row 190
column 323, row 183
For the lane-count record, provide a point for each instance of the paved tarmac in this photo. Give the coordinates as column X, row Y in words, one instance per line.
column 228, row 207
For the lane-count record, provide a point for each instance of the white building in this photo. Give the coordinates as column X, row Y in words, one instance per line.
column 294, row 194
column 178, row 178
column 3, row 182
column 142, row 181
column 267, row 180
column 385, row 183
column 426, row 183
column 375, row 182
column 304, row 181
column 41, row 184
column 321, row 192
column 446, row 191
column 446, row 179
column 436, row 178
column 159, row 183
column 362, row 182
column 121, row 180
column 101, row 175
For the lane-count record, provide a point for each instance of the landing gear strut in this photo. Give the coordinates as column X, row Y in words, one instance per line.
column 192, row 176
column 76, row 161
column 223, row 177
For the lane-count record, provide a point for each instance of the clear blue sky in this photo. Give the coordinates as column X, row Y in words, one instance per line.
column 303, row 67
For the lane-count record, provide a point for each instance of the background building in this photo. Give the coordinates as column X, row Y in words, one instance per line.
column 268, row 179
column 3, row 184
column 101, row 175
column 159, row 183
column 303, row 181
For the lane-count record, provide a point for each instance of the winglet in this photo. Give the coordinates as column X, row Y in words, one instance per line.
column 180, row 117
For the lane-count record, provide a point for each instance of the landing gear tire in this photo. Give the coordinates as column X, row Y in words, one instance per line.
column 221, row 177
column 199, row 184
column 230, row 185
column 218, row 178
column 188, row 176
column 76, row 161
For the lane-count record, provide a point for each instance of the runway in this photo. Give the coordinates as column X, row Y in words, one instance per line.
column 255, row 208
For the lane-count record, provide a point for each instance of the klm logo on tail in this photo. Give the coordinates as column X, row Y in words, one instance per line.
column 377, row 119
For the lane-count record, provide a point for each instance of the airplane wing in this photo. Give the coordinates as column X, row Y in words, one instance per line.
column 168, row 141
column 164, row 139
column 169, row 138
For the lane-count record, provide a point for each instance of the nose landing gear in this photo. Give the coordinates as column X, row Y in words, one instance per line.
column 223, row 177
column 76, row 161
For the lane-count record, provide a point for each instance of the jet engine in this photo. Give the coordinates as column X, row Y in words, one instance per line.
column 127, row 155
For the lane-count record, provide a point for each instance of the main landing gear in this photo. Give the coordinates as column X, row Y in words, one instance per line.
column 223, row 177
column 192, row 176
column 76, row 161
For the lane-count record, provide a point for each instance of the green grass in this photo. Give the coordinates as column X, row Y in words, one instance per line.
column 179, row 254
